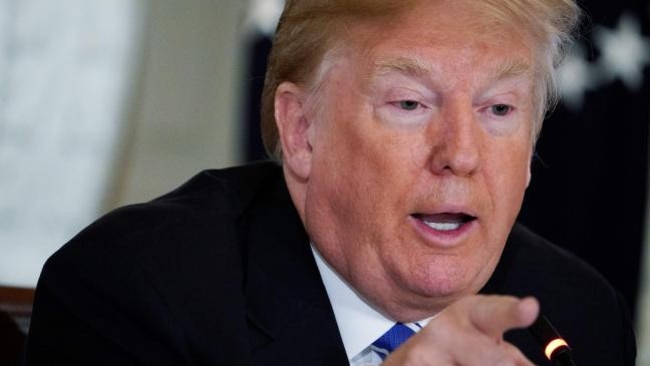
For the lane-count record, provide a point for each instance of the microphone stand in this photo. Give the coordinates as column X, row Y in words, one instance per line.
column 556, row 349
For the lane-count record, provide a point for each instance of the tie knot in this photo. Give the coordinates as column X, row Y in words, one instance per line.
column 392, row 339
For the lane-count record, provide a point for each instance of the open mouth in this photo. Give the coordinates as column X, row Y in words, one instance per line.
column 445, row 221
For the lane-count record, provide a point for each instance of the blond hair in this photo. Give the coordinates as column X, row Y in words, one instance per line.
column 309, row 29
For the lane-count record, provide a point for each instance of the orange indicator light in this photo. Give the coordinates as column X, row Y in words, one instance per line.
column 554, row 345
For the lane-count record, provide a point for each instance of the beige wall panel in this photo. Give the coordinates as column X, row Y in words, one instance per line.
column 185, row 113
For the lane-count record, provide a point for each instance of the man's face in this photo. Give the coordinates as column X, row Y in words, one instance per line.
column 420, row 157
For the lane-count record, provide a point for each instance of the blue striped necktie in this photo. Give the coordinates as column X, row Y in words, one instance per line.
column 392, row 339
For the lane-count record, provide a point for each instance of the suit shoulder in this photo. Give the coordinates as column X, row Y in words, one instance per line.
column 578, row 300
column 145, row 280
column 544, row 263
column 568, row 288
column 224, row 191
column 200, row 215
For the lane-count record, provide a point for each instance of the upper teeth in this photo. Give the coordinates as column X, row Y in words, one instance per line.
column 443, row 226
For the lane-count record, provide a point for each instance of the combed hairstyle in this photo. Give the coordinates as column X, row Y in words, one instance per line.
column 309, row 29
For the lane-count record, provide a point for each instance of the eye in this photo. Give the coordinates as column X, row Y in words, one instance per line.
column 501, row 109
column 408, row 105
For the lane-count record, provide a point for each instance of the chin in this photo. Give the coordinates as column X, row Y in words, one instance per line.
column 450, row 284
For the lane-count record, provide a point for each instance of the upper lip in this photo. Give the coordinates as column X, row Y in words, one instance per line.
column 445, row 213
column 445, row 217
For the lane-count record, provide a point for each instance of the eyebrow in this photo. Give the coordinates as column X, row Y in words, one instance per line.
column 513, row 68
column 415, row 67
column 402, row 65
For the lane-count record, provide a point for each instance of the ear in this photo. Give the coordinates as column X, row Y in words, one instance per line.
column 293, row 127
column 529, row 174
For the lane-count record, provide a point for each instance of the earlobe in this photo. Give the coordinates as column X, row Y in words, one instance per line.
column 294, row 128
column 529, row 174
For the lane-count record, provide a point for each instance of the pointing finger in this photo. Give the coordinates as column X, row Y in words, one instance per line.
column 497, row 314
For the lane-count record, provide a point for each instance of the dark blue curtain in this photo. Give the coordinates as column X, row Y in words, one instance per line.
column 588, row 192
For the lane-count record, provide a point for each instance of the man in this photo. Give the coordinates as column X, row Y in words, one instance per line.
column 405, row 131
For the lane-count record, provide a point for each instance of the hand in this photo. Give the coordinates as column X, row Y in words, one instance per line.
column 469, row 332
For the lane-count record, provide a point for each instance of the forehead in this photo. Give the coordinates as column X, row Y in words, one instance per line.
column 415, row 38
column 461, row 17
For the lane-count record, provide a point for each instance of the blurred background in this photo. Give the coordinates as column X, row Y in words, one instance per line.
column 110, row 102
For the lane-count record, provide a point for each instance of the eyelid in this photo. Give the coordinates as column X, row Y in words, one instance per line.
column 391, row 112
column 404, row 93
column 513, row 98
column 394, row 86
column 425, row 98
column 510, row 99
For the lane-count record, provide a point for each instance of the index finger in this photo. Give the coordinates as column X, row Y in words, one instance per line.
column 494, row 315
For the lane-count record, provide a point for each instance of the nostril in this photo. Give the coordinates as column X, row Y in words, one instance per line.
column 455, row 162
column 456, row 148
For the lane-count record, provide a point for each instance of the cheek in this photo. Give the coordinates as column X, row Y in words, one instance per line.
column 363, row 152
column 367, row 175
column 509, row 178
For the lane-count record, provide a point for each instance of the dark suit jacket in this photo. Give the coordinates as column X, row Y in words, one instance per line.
column 11, row 340
column 220, row 272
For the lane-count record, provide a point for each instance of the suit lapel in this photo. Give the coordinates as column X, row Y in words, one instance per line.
column 289, row 313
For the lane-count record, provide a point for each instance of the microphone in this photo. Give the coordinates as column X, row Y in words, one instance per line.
column 555, row 348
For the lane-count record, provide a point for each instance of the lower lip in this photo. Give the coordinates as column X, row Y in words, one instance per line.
column 445, row 239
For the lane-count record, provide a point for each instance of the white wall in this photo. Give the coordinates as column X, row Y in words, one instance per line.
column 185, row 111
column 107, row 102
column 64, row 69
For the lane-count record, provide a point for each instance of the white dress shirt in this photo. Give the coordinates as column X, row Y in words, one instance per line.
column 358, row 322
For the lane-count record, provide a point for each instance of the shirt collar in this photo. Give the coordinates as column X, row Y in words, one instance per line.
column 358, row 323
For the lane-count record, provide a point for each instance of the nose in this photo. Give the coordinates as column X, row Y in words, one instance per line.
column 456, row 147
